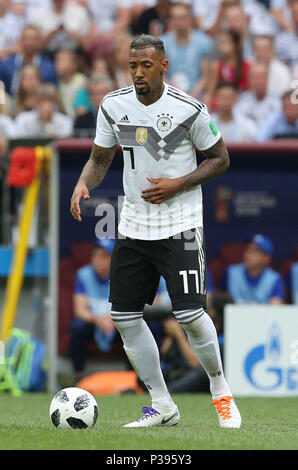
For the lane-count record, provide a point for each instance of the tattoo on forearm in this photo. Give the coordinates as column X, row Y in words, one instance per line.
column 216, row 163
column 97, row 166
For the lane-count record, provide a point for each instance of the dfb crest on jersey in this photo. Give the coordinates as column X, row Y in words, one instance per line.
column 164, row 124
column 141, row 135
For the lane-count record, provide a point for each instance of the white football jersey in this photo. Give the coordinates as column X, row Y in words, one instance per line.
column 157, row 141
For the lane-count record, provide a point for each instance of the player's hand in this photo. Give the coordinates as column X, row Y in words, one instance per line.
column 80, row 192
column 163, row 189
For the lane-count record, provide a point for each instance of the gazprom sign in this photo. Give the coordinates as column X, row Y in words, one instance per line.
column 261, row 349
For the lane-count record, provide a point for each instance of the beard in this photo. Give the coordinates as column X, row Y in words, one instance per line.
column 143, row 91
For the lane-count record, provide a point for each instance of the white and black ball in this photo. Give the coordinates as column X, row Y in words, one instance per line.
column 73, row 408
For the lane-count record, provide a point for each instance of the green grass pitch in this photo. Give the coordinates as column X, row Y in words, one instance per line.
column 268, row 423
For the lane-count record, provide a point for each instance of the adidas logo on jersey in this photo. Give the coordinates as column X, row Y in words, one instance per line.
column 124, row 119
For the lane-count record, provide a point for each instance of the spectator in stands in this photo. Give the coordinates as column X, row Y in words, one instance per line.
column 70, row 80
column 256, row 103
column 85, row 124
column 283, row 123
column 11, row 27
column 119, row 61
column 138, row 7
column 28, row 8
column 25, row 98
column 253, row 281
column 230, row 67
column 100, row 68
column 286, row 44
column 236, row 20
column 30, row 53
column 188, row 51
column 281, row 11
column 233, row 126
column 279, row 76
column 64, row 25
column 211, row 16
column 91, row 307
column 110, row 19
column 154, row 20
column 44, row 120
column 260, row 20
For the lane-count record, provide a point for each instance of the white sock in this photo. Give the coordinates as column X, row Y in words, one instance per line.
column 202, row 336
column 142, row 352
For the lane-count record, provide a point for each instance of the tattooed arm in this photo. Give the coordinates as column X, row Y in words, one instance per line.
column 92, row 175
column 216, row 163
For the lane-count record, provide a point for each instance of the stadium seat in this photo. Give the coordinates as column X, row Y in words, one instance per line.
column 81, row 253
column 67, row 272
column 216, row 267
column 65, row 307
column 232, row 253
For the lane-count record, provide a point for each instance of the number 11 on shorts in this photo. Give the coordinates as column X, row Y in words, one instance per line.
column 185, row 275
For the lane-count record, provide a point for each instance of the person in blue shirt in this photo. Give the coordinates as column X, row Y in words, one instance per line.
column 91, row 306
column 188, row 50
column 283, row 123
column 85, row 123
column 253, row 281
column 29, row 53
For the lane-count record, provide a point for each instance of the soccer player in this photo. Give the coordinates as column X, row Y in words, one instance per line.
column 161, row 225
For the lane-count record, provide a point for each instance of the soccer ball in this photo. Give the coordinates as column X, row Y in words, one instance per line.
column 74, row 408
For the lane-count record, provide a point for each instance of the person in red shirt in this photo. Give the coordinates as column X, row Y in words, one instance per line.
column 230, row 67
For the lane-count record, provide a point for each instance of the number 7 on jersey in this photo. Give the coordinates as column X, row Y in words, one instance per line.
column 132, row 157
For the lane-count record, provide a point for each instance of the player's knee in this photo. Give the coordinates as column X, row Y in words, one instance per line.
column 190, row 320
column 124, row 320
column 186, row 317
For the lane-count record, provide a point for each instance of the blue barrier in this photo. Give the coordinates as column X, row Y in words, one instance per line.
column 258, row 193
column 37, row 262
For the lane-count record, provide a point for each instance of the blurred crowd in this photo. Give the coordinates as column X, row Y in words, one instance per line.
column 58, row 58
